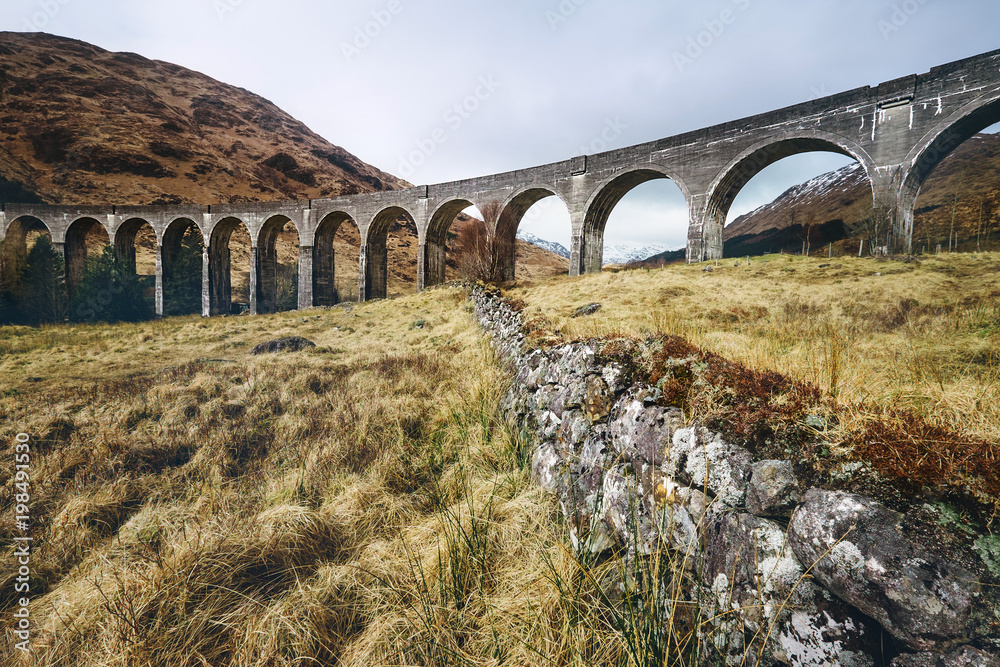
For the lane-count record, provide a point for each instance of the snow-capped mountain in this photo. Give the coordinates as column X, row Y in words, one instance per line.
column 808, row 203
column 551, row 246
column 623, row 253
column 620, row 253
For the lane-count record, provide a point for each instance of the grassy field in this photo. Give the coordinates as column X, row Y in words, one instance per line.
column 363, row 502
column 873, row 334
column 359, row 503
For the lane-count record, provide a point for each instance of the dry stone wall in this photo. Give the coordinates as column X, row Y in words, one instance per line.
column 792, row 575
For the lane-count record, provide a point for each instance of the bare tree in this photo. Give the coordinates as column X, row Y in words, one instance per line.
column 876, row 230
column 484, row 245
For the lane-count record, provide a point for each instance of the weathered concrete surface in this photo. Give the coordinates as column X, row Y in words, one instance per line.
column 898, row 131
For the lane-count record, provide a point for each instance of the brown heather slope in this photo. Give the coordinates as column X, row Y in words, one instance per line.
column 971, row 174
column 81, row 125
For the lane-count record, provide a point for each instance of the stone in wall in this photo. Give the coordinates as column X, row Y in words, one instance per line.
column 860, row 553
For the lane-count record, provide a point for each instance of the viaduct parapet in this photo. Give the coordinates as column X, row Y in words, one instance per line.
column 898, row 131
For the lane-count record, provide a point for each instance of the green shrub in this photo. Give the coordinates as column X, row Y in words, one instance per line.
column 109, row 292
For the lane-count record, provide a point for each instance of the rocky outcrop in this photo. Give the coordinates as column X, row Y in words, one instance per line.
column 861, row 555
column 287, row 344
column 779, row 573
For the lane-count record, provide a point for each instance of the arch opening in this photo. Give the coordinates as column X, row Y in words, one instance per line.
column 951, row 203
column 456, row 238
column 545, row 217
column 337, row 244
column 31, row 294
column 182, row 253
column 85, row 238
column 135, row 251
column 632, row 217
column 278, row 266
column 229, row 268
column 802, row 196
column 393, row 229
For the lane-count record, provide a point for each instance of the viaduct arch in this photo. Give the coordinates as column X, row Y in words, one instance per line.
column 898, row 130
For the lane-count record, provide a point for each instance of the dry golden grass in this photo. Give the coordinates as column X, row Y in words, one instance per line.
column 923, row 336
column 359, row 503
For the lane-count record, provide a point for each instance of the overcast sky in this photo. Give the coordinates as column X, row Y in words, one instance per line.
column 535, row 81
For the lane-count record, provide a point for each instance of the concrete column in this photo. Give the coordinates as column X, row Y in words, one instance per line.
column 696, row 229
column 306, row 277
column 586, row 253
column 431, row 264
column 159, row 279
column 3, row 225
column 576, row 253
column 206, row 281
column 254, row 269
column 894, row 224
column 422, row 266
column 591, row 251
column 362, row 272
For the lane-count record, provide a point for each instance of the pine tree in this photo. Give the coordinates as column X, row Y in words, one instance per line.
column 109, row 292
column 182, row 280
column 43, row 297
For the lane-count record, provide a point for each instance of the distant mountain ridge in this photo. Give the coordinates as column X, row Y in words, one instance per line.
column 613, row 254
column 551, row 246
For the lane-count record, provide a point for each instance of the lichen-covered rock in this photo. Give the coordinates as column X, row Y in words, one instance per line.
column 597, row 399
column 861, row 555
column 548, row 425
column 574, row 429
column 571, row 396
column 545, row 397
column 580, row 359
column 773, row 489
column 545, row 465
column 965, row 656
column 641, row 431
column 614, row 377
column 589, row 309
column 531, row 375
column 765, row 605
column 672, row 519
column 704, row 460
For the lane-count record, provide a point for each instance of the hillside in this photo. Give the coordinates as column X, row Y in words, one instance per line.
column 81, row 125
column 833, row 202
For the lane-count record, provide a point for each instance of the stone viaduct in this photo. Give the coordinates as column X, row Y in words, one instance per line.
column 898, row 131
